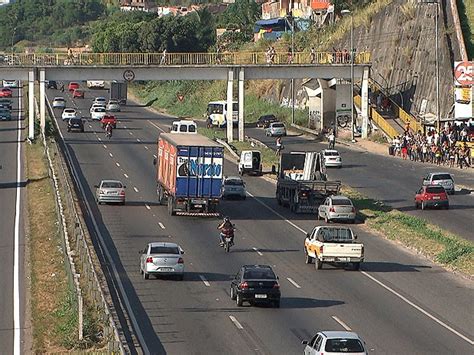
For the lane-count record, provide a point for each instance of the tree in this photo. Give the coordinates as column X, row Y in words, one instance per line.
column 244, row 13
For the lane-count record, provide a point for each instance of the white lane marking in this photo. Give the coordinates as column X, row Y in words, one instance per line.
column 146, row 147
column 147, row 207
column 117, row 164
column 138, row 140
column 406, row 300
column 236, row 322
column 154, row 156
column 161, row 129
column 278, row 214
column 293, row 282
column 162, row 226
column 131, row 133
column 125, row 127
column 418, row 308
column 121, row 288
column 105, row 147
column 344, row 325
column 100, row 139
column 111, row 155
column 136, row 190
column 204, row 280
column 258, row 251
column 16, row 259
column 90, row 126
column 125, row 175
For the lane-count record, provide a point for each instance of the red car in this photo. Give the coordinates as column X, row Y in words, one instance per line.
column 73, row 86
column 431, row 196
column 109, row 119
column 79, row 94
column 5, row 92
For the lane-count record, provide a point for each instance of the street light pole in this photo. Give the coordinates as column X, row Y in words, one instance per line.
column 352, row 72
column 437, row 68
column 293, row 58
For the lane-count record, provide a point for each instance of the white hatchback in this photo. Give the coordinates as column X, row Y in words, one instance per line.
column 332, row 158
column 68, row 113
column 97, row 113
column 59, row 102
column 335, row 342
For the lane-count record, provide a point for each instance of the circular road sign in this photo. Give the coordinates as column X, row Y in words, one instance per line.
column 128, row 75
column 464, row 73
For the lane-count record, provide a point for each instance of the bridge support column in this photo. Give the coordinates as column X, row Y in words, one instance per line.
column 365, row 102
column 42, row 101
column 230, row 95
column 31, row 105
column 241, row 105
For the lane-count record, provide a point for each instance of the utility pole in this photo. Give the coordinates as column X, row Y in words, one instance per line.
column 292, row 27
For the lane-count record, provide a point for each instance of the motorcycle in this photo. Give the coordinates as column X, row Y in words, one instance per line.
column 108, row 133
column 228, row 240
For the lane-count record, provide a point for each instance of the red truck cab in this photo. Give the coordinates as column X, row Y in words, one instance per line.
column 109, row 119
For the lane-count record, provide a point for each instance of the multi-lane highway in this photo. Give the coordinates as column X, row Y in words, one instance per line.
column 393, row 181
column 400, row 303
column 11, row 229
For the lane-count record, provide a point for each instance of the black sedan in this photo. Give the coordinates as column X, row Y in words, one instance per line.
column 265, row 120
column 255, row 284
column 75, row 123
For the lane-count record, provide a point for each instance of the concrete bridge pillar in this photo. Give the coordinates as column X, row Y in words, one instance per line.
column 42, row 101
column 241, row 105
column 230, row 95
column 31, row 105
column 364, row 94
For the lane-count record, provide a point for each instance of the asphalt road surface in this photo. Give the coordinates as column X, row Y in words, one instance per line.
column 393, row 181
column 11, row 230
column 399, row 303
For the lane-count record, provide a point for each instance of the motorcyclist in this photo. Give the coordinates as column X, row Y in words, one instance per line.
column 108, row 130
column 227, row 229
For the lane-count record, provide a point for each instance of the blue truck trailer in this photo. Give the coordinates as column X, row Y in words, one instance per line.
column 189, row 174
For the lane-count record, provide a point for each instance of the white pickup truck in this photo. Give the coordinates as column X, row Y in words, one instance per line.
column 333, row 244
column 96, row 84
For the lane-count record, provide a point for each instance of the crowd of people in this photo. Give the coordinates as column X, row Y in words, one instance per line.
column 448, row 148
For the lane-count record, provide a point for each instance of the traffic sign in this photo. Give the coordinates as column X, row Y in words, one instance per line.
column 129, row 75
column 180, row 96
column 464, row 73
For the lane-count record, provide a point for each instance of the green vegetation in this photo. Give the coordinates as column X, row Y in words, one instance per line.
column 54, row 21
column 466, row 16
column 144, row 32
column 414, row 232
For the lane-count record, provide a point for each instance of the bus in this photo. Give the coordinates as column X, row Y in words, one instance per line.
column 217, row 112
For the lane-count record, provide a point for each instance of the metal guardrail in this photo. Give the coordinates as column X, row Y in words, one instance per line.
column 80, row 253
column 204, row 59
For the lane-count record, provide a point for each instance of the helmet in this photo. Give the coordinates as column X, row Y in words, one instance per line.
column 226, row 219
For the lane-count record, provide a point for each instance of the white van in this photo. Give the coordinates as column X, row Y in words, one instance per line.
column 217, row 112
column 184, row 126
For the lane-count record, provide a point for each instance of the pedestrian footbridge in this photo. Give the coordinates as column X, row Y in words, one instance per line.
column 238, row 66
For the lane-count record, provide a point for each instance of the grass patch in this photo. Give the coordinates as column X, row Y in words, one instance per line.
column 466, row 17
column 49, row 285
column 414, row 232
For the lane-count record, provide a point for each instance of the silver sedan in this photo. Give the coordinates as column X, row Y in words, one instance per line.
column 337, row 208
column 109, row 191
column 162, row 258
column 233, row 186
column 113, row 106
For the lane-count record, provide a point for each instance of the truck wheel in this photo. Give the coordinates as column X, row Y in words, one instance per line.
column 356, row 266
column 308, row 259
column 318, row 264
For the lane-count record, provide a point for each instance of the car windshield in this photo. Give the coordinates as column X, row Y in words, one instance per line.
column 215, row 108
column 113, row 102
column 334, row 234
column 99, row 109
column 341, row 202
column 111, row 185
column 259, row 274
column 435, row 189
column 100, row 99
column 234, row 182
column 344, row 346
column 58, row 99
column 267, row 118
column 442, row 177
column 164, row 250
column 70, row 111
column 331, row 154
column 75, row 120
column 278, row 125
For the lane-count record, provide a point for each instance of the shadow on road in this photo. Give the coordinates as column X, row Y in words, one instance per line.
column 382, row 266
